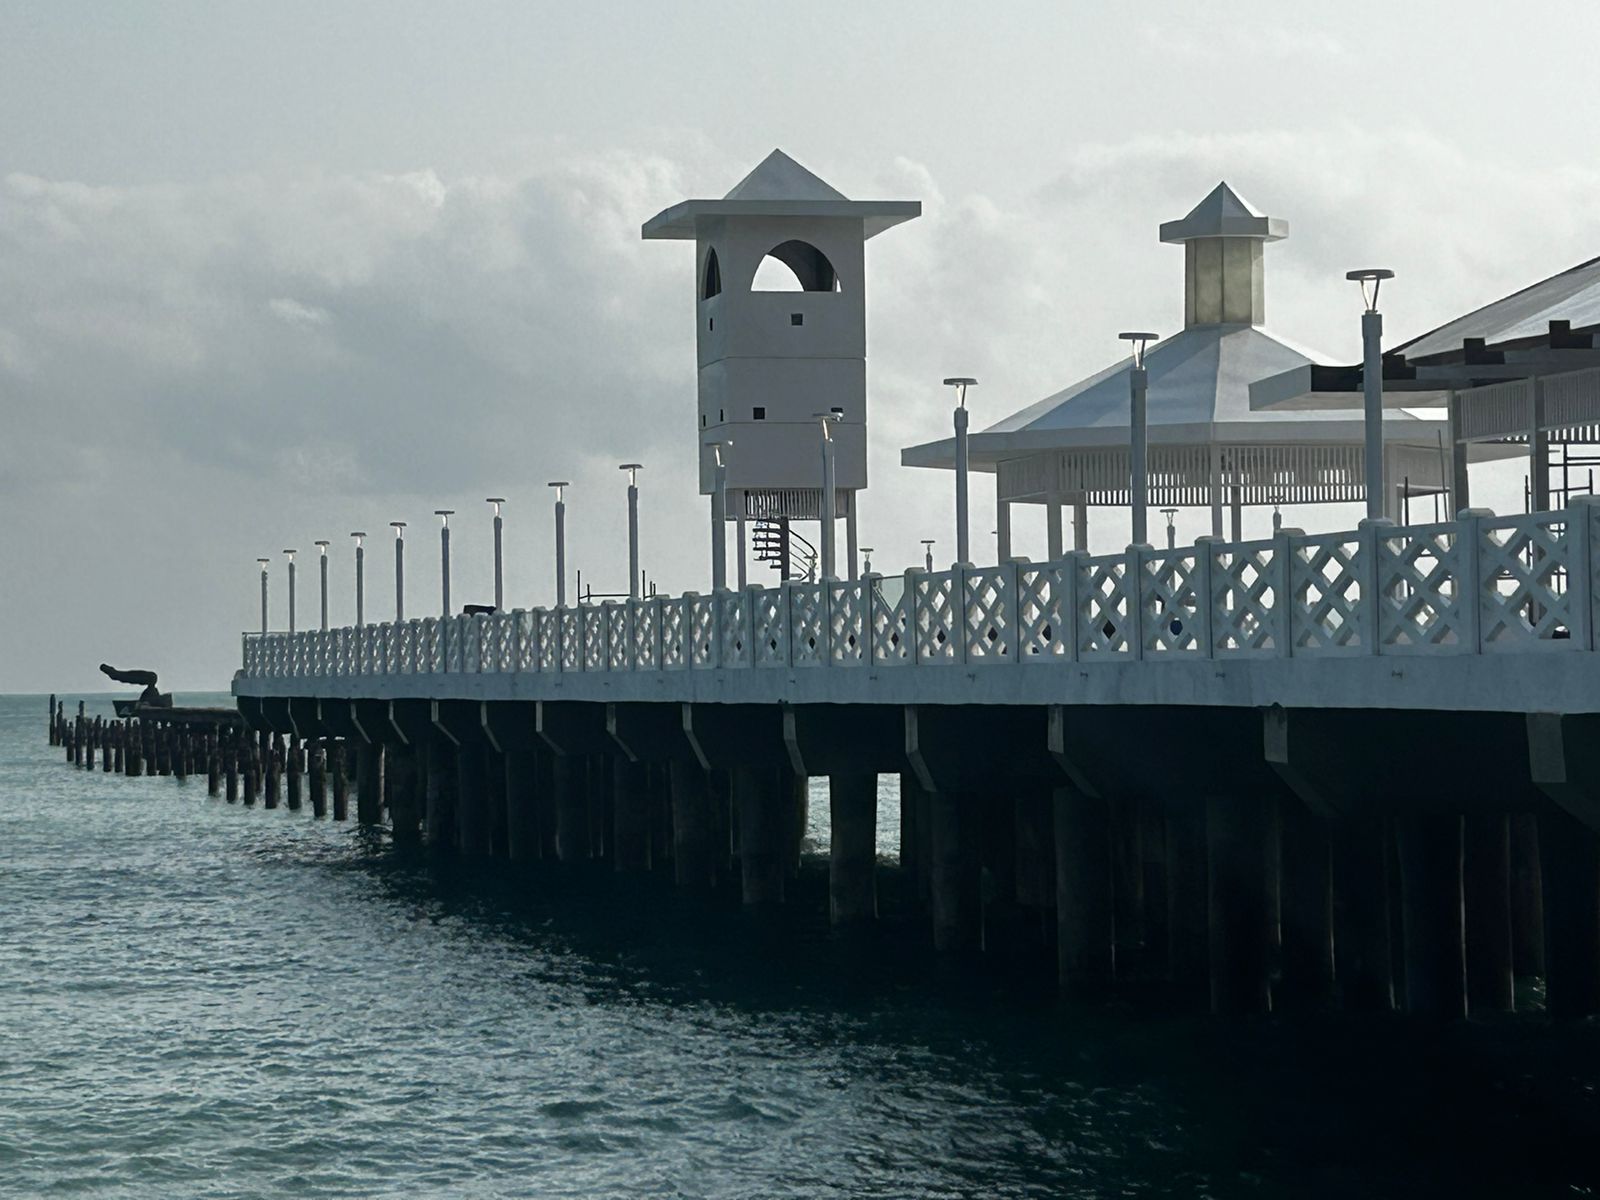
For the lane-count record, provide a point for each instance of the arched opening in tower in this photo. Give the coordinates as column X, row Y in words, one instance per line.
column 795, row 266
column 712, row 284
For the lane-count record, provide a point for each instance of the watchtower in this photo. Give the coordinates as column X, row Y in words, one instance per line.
column 780, row 277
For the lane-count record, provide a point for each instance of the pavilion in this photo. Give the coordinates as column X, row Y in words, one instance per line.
column 1207, row 446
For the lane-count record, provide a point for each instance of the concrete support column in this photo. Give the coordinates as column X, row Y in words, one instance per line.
column 1306, row 892
column 694, row 850
column 630, row 795
column 1361, row 915
column 1569, row 858
column 1032, row 823
column 795, row 796
column 914, row 835
column 369, row 782
column 1084, row 935
column 473, row 836
column 763, row 817
column 1430, row 893
column 853, row 848
column 957, row 915
column 570, row 784
column 405, row 802
column 1127, row 884
column 1486, row 886
column 522, row 815
column 1188, row 923
column 597, row 803
column 341, row 781
column 1527, row 898
column 496, row 808
column 1237, row 849
column 439, row 810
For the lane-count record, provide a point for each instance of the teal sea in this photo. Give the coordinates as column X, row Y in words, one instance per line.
column 204, row 1000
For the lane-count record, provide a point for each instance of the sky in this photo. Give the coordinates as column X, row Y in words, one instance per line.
column 274, row 272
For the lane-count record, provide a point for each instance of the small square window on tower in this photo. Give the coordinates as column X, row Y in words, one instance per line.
column 758, row 413
column 797, row 318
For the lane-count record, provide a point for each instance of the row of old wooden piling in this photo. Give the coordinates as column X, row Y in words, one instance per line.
column 1245, row 904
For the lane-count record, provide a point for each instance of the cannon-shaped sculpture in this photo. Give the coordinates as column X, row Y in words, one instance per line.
column 149, row 698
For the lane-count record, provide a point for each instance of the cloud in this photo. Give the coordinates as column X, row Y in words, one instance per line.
column 191, row 375
column 1241, row 44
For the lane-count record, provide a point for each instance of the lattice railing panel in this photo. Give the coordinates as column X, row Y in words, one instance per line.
column 702, row 632
column 847, row 624
column 675, row 640
column 1524, row 602
column 1105, row 608
column 987, row 621
column 1170, row 599
column 733, row 633
column 893, row 626
column 645, row 615
column 1422, row 590
column 1243, row 590
column 1326, row 591
column 767, row 606
column 938, row 624
column 1044, row 614
column 807, row 625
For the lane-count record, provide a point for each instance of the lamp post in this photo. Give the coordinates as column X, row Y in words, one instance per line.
column 866, row 560
column 560, row 486
column 322, row 551
column 361, row 581
column 1138, row 435
column 499, row 577
column 719, row 514
column 927, row 544
column 291, row 554
column 1370, row 279
column 830, row 516
column 399, row 570
column 444, row 515
column 961, row 384
column 265, row 563
column 633, row 470
column 1171, row 514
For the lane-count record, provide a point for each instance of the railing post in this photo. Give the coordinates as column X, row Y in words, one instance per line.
column 869, row 619
column 1069, row 566
column 958, row 589
column 1369, row 572
column 786, row 610
column 1011, row 581
column 914, row 611
column 660, row 633
column 1206, row 609
column 1134, row 579
column 1469, row 539
column 1580, row 568
column 1283, row 586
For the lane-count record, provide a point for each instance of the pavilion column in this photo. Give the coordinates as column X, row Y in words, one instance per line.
column 1460, row 488
column 1002, row 524
column 1236, row 512
column 1216, row 492
column 1538, row 450
column 1080, row 522
column 1052, row 522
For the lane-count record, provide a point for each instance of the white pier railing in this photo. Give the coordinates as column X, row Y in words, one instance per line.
column 1478, row 585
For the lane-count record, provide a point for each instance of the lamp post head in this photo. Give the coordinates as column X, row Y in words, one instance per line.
column 1370, row 279
column 497, row 501
column 718, row 445
column 265, row 563
column 633, row 470
column 928, row 542
column 291, row 554
column 444, row 515
column 358, row 534
column 560, row 486
column 828, row 418
column 961, row 383
column 322, row 545
column 1140, row 340
column 399, row 529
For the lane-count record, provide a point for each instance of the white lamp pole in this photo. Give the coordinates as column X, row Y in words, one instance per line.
column 444, row 515
column 1171, row 514
column 399, row 570
column 322, row 551
column 1139, row 436
column 265, row 563
column 633, row 470
column 1370, row 279
column 361, row 580
column 499, row 577
column 291, row 554
column 560, row 486
column 830, row 515
column 927, row 544
column 719, row 515
column 963, row 545
column 866, row 560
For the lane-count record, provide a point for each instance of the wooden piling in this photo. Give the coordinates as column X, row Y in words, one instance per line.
column 341, row 781
column 761, row 834
column 1084, row 937
column 317, row 777
column 405, row 802
column 294, row 764
column 175, row 749
column 369, row 783
column 694, row 850
column 1239, row 912
column 1486, row 884
column 852, row 848
column 572, row 815
column 53, row 731
column 230, row 767
column 438, row 815
column 522, row 817
column 1527, row 898
column 1306, row 891
column 1430, row 893
column 630, row 795
column 472, row 802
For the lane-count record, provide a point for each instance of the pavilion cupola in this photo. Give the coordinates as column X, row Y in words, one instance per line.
column 1222, row 240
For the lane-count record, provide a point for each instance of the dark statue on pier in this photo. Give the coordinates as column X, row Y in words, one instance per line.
column 146, row 679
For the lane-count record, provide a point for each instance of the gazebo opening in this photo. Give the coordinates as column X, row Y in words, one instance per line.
column 795, row 266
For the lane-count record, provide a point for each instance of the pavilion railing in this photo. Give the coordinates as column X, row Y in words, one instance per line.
column 1482, row 584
